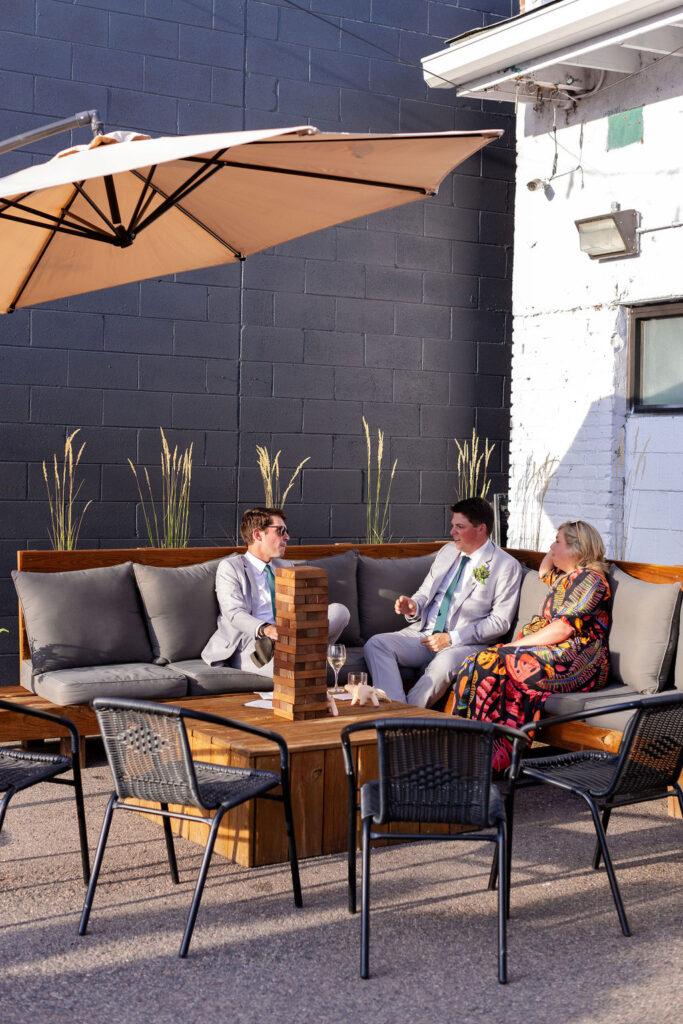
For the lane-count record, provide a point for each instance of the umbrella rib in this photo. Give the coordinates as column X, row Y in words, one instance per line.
column 181, row 209
column 194, row 181
column 140, row 207
column 319, row 175
column 31, row 271
column 91, row 202
column 52, row 220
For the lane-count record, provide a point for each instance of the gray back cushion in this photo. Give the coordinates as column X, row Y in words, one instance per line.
column 380, row 582
column 83, row 617
column 644, row 630
column 181, row 608
column 342, row 588
column 531, row 597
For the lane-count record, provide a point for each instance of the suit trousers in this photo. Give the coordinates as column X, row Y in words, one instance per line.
column 385, row 652
column 337, row 617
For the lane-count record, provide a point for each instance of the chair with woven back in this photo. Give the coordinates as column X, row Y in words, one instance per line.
column 430, row 771
column 149, row 755
column 646, row 767
column 21, row 769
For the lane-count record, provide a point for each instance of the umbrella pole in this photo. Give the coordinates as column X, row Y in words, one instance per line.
column 90, row 117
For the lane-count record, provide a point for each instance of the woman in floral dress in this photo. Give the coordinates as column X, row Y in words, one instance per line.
column 562, row 650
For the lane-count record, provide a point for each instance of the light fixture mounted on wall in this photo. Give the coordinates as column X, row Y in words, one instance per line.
column 611, row 235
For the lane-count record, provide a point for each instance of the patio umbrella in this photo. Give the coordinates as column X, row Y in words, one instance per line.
column 127, row 206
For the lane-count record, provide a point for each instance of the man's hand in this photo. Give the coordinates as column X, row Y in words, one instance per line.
column 270, row 631
column 436, row 642
column 406, row 606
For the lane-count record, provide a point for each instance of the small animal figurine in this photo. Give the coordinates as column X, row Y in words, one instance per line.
column 363, row 693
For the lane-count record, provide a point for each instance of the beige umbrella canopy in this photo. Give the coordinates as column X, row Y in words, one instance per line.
column 128, row 207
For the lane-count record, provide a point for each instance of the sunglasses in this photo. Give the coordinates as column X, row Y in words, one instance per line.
column 282, row 530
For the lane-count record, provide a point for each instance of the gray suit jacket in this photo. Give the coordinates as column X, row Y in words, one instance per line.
column 237, row 625
column 481, row 612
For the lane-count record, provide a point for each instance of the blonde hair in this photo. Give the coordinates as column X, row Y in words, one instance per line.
column 587, row 543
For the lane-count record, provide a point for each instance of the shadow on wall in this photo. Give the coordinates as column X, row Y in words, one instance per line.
column 579, row 482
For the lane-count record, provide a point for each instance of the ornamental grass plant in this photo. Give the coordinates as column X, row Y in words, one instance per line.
column 269, row 468
column 62, row 493
column 472, row 468
column 171, row 528
column 377, row 508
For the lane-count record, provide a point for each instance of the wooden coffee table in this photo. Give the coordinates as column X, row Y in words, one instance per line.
column 253, row 834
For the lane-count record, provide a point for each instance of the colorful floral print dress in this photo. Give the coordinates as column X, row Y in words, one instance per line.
column 510, row 685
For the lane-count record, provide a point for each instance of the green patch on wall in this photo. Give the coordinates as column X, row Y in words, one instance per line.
column 625, row 128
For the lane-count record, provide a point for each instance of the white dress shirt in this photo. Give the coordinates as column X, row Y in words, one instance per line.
column 262, row 604
column 477, row 558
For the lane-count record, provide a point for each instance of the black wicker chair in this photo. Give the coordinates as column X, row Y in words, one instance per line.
column 647, row 766
column 149, row 756
column 430, row 770
column 20, row 769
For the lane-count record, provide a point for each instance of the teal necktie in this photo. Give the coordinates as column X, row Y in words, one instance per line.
column 446, row 600
column 270, row 576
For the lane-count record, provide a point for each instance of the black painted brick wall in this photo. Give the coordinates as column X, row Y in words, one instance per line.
column 402, row 317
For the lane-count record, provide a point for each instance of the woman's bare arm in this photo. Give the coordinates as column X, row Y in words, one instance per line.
column 554, row 633
column 546, row 565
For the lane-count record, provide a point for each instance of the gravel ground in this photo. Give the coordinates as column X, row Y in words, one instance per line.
column 254, row 956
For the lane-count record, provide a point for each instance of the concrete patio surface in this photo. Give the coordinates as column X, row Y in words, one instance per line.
column 255, row 958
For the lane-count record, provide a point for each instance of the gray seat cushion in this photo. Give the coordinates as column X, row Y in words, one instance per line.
column 575, row 703
column 203, row 678
column 84, row 617
column 644, row 631
column 180, row 606
column 531, row 596
column 380, row 582
column 342, row 588
column 80, row 685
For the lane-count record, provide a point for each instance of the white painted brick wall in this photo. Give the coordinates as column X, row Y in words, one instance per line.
column 569, row 337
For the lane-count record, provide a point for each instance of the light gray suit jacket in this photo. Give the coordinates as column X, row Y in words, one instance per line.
column 481, row 612
column 237, row 624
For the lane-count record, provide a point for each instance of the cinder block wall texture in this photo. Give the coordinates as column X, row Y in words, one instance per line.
column 402, row 317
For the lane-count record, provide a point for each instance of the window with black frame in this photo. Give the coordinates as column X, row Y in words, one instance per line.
column 655, row 340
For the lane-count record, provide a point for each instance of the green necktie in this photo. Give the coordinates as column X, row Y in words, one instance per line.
column 270, row 576
column 446, row 600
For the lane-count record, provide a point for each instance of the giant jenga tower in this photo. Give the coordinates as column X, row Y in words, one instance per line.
column 299, row 670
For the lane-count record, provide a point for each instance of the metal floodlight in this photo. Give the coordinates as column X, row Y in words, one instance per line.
column 610, row 235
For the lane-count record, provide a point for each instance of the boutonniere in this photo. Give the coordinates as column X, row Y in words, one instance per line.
column 481, row 573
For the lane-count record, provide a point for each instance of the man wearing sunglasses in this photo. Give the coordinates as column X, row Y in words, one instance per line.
column 245, row 587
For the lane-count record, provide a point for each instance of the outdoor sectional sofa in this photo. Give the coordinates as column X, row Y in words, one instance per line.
column 133, row 623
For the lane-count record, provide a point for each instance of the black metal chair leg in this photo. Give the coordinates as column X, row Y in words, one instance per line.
column 351, row 854
column 503, row 900
column 509, row 818
column 493, row 873
column 201, row 879
column 5, row 800
column 170, row 848
column 94, row 875
column 602, row 840
column 365, row 902
column 291, row 843
column 80, row 812
column 597, row 853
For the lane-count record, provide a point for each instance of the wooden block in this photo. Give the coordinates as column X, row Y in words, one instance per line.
column 300, row 673
column 292, row 693
column 300, row 572
column 301, row 599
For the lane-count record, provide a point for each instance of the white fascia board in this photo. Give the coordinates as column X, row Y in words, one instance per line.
column 511, row 47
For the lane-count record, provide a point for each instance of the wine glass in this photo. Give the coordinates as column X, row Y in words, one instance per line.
column 336, row 656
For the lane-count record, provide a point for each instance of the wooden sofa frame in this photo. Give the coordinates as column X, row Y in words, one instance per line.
column 570, row 736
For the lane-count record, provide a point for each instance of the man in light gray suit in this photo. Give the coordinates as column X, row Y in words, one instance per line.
column 467, row 600
column 245, row 587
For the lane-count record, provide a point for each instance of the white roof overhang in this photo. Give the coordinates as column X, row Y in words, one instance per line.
column 564, row 46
